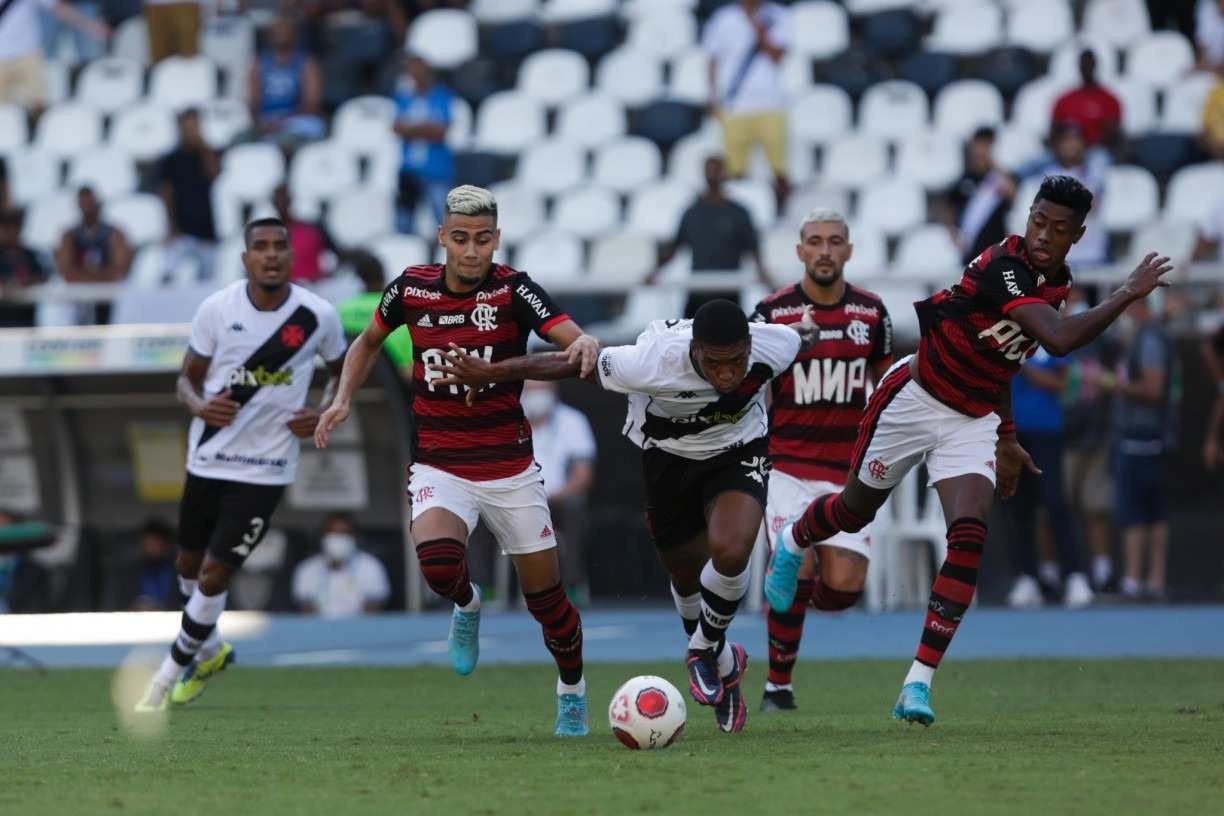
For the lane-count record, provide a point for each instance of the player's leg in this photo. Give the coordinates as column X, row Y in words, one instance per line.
column 684, row 563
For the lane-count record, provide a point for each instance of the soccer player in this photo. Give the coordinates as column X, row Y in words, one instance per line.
column 245, row 379
column 697, row 410
column 474, row 460
column 816, row 407
column 951, row 403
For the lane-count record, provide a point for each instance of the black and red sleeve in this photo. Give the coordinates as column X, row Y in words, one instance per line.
column 534, row 308
column 1006, row 283
column 390, row 311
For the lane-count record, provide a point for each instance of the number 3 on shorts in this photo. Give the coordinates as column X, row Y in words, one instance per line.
column 250, row 539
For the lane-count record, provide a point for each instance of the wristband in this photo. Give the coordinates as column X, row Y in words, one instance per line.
column 1007, row 427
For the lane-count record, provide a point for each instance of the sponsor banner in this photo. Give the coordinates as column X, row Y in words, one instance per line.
column 92, row 350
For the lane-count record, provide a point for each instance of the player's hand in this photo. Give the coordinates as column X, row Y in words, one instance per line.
column 461, row 368
column 1010, row 460
column 585, row 349
column 328, row 420
column 807, row 329
column 303, row 422
column 1148, row 275
column 220, row 410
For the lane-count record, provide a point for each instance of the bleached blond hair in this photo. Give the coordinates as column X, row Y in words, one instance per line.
column 824, row 215
column 468, row 199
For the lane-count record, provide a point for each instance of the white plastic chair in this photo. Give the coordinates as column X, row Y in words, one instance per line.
column 509, row 122
column 397, row 252
column 967, row 104
column 1117, row 22
column 110, row 84
column 1138, row 103
column 819, row 29
column 520, row 211
column 822, row 114
column 130, row 40
column 183, row 82
column 632, row 75
column 758, row 198
column 253, row 170
column 687, row 159
column 627, row 164
column 445, row 38
column 110, row 172
column 927, row 253
column 318, row 171
column 48, row 218
column 359, row 216
column 496, row 12
column 229, row 41
column 1193, row 191
column 894, row 109
column 1040, row 25
column 1132, row 198
column 1034, row 104
column 551, row 167
column 894, row 205
column 933, row 159
column 663, row 33
column 592, row 120
column 145, row 132
column 778, row 249
column 588, row 212
column 69, row 129
column 625, row 258
column 813, row 197
column 14, row 128
column 551, row 257
column 565, row 11
column 855, row 161
column 967, row 29
column 899, row 297
column 39, row 175
column 459, row 134
column 554, row 76
column 870, row 258
column 690, row 78
column 141, row 216
column 1161, row 59
column 1184, row 103
column 796, row 73
column 905, row 573
column 1016, row 146
column 655, row 210
column 364, row 122
column 1173, row 238
column 223, row 121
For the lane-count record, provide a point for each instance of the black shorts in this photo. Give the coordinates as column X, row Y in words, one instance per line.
column 228, row 519
column 680, row 491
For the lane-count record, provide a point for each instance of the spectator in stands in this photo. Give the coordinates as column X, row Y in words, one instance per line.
column 19, row 268
column 363, row 36
column 565, row 449
column 23, row 72
column 93, row 251
column 745, row 42
column 719, row 232
column 975, row 208
column 1212, row 138
column 422, row 117
column 174, row 28
column 285, row 88
column 1213, row 437
column 1146, row 411
column 56, row 31
column 341, row 580
column 356, row 312
column 157, row 586
column 1209, row 34
column 1091, row 107
column 1210, row 233
column 1070, row 157
column 313, row 250
column 184, row 181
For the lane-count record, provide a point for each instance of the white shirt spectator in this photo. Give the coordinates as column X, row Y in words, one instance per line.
column 21, row 28
column 729, row 38
column 1212, row 227
column 564, row 439
column 1209, row 31
column 340, row 591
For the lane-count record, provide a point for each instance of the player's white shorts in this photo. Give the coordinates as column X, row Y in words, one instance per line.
column 903, row 423
column 790, row 496
column 515, row 508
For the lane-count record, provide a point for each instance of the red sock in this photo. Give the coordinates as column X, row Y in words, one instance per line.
column 444, row 564
column 824, row 517
column 562, row 630
column 785, row 630
column 953, row 589
column 828, row 599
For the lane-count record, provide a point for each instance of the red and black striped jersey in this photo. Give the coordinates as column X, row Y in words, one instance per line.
column 819, row 400
column 970, row 349
column 490, row 439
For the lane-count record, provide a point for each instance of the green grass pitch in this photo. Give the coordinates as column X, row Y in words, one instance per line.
column 1033, row 737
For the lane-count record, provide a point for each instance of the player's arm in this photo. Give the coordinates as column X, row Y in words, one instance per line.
column 579, row 347
column 1061, row 334
column 1010, row 457
column 306, row 419
column 354, row 370
column 473, row 371
column 219, row 410
column 882, row 352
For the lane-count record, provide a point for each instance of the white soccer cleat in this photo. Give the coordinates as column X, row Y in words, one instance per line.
column 1025, row 593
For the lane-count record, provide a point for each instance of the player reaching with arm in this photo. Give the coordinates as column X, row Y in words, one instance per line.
column 951, row 403
column 245, row 380
column 475, row 461
column 697, row 410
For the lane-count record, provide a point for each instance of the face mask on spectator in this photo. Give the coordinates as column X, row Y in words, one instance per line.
column 339, row 546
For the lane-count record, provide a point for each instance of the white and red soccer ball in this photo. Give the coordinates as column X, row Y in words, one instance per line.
column 647, row 712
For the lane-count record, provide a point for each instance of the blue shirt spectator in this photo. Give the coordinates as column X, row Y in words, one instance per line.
column 285, row 88
column 1035, row 408
column 422, row 117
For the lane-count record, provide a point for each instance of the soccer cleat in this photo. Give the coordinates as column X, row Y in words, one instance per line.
column 914, row 704
column 731, row 713
column 1025, row 593
column 778, row 700
column 193, row 682
column 1078, row 594
column 155, row 699
column 571, row 716
column 782, row 580
column 704, row 683
column 463, row 642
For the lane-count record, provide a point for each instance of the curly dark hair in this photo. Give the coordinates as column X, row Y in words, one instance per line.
column 1066, row 191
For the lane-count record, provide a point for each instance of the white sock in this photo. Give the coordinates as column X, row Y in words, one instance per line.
column 792, row 546
column 210, row 647
column 727, row 589
column 778, row 687
column 1049, row 572
column 203, row 608
column 167, row 672
column 187, row 586
column 566, row 688
column 726, row 660
column 1102, row 569
column 689, row 606
column 472, row 605
column 920, row 673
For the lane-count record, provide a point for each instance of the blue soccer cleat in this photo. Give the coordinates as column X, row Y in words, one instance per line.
column 571, row 716
column 782, row 580
column 914, row 704
column 704, row 683
column 463, row 642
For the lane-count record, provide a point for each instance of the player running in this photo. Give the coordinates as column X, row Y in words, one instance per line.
column 951, row 403
column 816, row 407
column 697, row 410
column 476, row 462
column 245, row 378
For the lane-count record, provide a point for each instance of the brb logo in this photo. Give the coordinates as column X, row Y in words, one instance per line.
column 877, row 469
column 484, row 317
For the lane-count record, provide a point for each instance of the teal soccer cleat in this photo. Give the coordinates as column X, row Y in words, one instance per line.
column 782, row 580
column 463, row 643
column 914, row 704
column 571, row 716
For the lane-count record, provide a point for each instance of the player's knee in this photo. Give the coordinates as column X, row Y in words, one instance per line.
column 443, row 564
column 730, row 553
column 828, row 598
column 214, row 578
column 187, row 563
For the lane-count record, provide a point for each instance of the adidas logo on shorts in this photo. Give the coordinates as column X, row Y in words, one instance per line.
column 546, row 532
column 425, row 322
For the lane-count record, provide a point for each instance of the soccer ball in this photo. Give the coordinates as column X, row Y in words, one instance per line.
column 647, row 712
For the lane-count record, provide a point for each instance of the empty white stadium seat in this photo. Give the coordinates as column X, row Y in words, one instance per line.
column 812, row 197
column 894, row 205
column 39, row 176
column 551, row 257
column 1034, row 104
column 59, row 81
column 819, row 29
column 631, row 75
column 223, row 121
column 592, row 120
column 1017, row 216
column 1161, row 59
column 588, row 212
column 364, row 122
column 800, row 165
column 1016, row 145
column 927, row 253
column 633, row 8
column 663, row 32
column 656, row 209
column 1138, row 102
column 870, row 256
column 445, row 38
column 141, row 216
column 318, row 171
column 778, row 250
column 1184, row 103
column 1193, row 191
column 758, row 198
column 933, row 159
column 110, row 172
column 252, row 170
column 145, row 132
column 397, row 252
column 820, row 115
column 130, row 40
column 893, row 109
column 967, row 104
column 509, row 122
column 1117, row 22
column 690, row 78
column 551, row 167
column 1174, row 239
column 110, row 84
column 565, row 11
column 622, row 257
column 687, row 159
column 229, row 41
column 14, row 128
column 47, row 218
column 967, row 29
column 359, row 216
column 233, row 208
column 855, row 161
column 68, row 129
column 496, row 12
column 227, row 264
column 1131, row 198
column 627, row 164
column 1040, row 25
column 520, row 211
column 463, row 120
column 554, row 76
column 183, row 82
column 899, row 297
column 796, row 73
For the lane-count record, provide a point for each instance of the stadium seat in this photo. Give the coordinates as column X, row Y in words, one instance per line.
column 655, row 209
column 252, row 170
column 662, row 33
column 47, row 218
column 933, row 160
column 145, row 132
column 68, row 129
column 592, row 38
column 686, row 161
column 966, row 105
column 855, row 161
column 565, row 11
column 1017, row 215
column 927, row 253
column 496, row 12
column 1040, row 25
column 929, row 70
column 665, row 123
column 318, row 171
column 183, row 82
column 778, row 250
column 624, row 258
column 812, row 197
column 58, row 81
column 861, row 8
column 14, row 128
column 891, row 34
column 511, row 42
column 1184, row 103
column 232, row 207
column 1131, row 198
column 551, row 257
column 110, row 84
column 1008, row 69
column 635, row 8
column 899, row 297
column 758, row 198
column 1034, row 104
column 359, row 216
column 630, row 75
column 627, row 164
column 520, row 211
column 481, row 169
column 554, row 76
column 895, row 206
column 1161, row 59
column 820, row 115
column 224, row 121
column 1016, row 146
column 109, row 171
column 819, row 29
column 967, row 29
column 894, row 109
column 690, row 78
column 592, row 121
column 1064, row 64
column 797, row 76
column 148, row 270
column 588, row 212
column 445, row 38
column 800, row 165
column 398, row 252
column 229, row 41
column 551, row 167
column 870, row 258
column 130, row 40
column 1138, row 102
column 364, row 122
column 854, row 72
column 1117, row 22
column 1163, row 153
column 227, row 266
column 509, row 122
column 1174, row 239
column 39, row 176
column 141, row 216
column 1193, row 191
column 459, row 134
